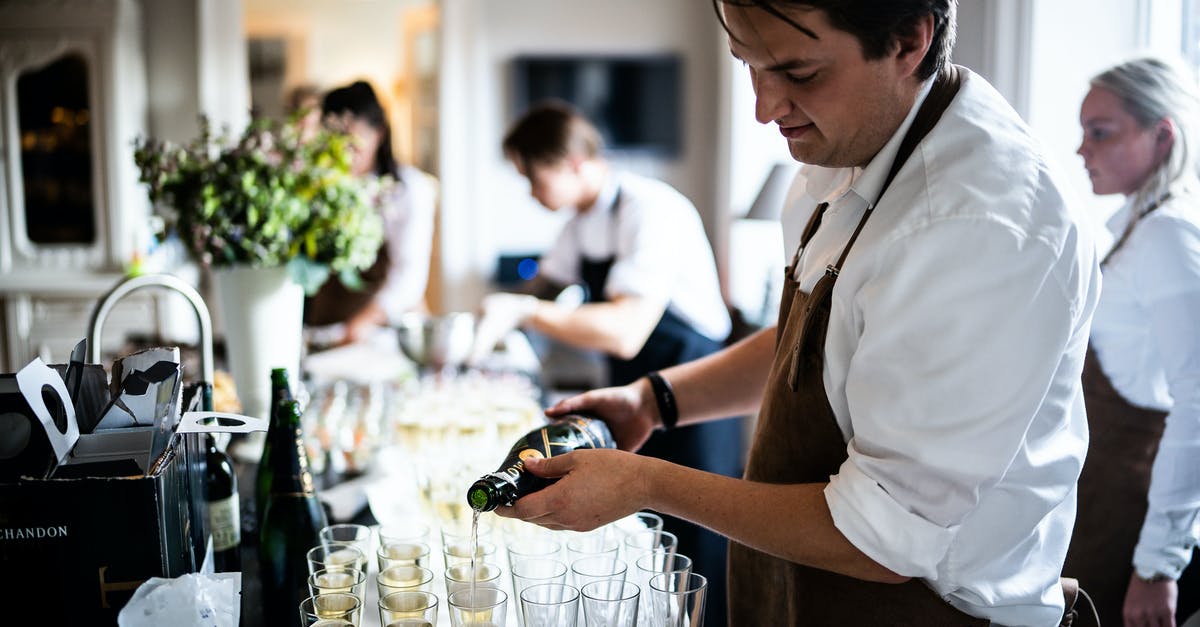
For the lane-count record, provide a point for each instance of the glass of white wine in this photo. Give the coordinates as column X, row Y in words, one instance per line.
column 408, row 609
column 402, row 554
column 336, row 556
column 460, row 576
column 481, row 607
column 337, row 606
column 332, row 581
column 403, row 579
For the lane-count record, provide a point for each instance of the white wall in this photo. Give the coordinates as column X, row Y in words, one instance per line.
column 482, row 194
column 343, row 40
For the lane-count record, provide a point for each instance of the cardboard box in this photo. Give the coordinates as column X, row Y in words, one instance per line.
column 73, row 549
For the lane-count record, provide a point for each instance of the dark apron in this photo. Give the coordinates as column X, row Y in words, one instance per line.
column 797, row 440
column 335, row 303
column 713, row 446
column 1113, row 487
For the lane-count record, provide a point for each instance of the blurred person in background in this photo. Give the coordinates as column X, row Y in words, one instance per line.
column 1139, row 494
column 652, row 295
column 396, row 282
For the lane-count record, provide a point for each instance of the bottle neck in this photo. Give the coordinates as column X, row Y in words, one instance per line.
column 289, row 457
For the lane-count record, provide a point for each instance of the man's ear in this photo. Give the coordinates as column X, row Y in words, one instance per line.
column 911, row 46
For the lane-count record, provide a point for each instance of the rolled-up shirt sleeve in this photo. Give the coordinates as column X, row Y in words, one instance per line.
column 962, row 327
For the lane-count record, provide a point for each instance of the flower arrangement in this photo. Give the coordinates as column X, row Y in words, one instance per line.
column 270, row 197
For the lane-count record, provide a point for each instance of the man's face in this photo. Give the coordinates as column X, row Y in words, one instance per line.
column 833, row 107
column 554, row 185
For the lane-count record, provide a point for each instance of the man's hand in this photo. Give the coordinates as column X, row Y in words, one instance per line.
column 1150, row 603
column 594, row 488
column 629, row 411
column 501, row 312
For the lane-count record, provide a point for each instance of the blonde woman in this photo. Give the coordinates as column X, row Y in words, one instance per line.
column 1139, row 493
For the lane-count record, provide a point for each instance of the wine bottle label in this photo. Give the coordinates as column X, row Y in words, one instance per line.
column 225, row 522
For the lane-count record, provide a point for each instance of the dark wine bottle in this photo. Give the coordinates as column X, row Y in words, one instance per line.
column 224, row 514
column 511, row 481
column 292, row 521
column 280, row 391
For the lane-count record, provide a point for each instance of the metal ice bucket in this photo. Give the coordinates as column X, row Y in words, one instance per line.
column 437, row 341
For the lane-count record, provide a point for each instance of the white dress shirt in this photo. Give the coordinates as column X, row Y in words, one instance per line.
column 1147, row 338
column 408, row 214
column 660, row 247
column 955, row 345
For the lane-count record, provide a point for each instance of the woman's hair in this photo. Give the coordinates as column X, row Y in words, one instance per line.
column 549, row 132
column 876, row 25
column 358, row 100
column 1151, row 90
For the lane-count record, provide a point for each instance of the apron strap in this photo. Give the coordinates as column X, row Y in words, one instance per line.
column 1132, row 223
column 945, row 87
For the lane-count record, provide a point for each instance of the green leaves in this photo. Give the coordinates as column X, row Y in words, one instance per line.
column 267, row 198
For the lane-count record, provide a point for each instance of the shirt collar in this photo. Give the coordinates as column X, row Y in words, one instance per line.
column 832, row 184
column 608, row 193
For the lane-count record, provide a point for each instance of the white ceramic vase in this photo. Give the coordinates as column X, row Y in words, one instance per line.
column 262, row 313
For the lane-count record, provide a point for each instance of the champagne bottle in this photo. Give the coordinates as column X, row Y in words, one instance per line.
column 292, row 521
column 224, row 515
column 280, row 391
column 511, row 481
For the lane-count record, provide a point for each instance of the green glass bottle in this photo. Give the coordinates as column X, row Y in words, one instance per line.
column 511, row 481
column 224, row 516
column 281, row 390
column 291, row 523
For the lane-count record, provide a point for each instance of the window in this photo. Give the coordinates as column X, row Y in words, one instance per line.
column 1191, row 34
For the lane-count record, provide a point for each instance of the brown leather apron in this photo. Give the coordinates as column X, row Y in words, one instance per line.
column 797, row 440
column 334, row 302
column 1113, row 487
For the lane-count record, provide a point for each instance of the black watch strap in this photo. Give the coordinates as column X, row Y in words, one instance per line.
column 664, row 397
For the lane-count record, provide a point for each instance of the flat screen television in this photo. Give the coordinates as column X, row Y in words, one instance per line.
column 635, row 101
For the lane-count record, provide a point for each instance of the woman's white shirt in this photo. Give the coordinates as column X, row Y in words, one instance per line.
column 408, row 216
column 1146, row 334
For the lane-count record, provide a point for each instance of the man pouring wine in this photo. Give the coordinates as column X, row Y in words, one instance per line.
column 920, row 423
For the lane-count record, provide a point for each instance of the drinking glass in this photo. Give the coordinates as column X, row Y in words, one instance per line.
column 337, row 606
column 457, row 531
column 358, row 535
column 597, row 568
column 533, row 547
column 336, row 556
column 647, row 520
column 403, row 579
column 651, row 564
column 460, row 553
column 459, row 576
column 677, row 599
column 593, row 543
column 642, row 542
column 402, row 554
column 550, row 605
column 403, row 532
column 330, row 581
column 478, row 608
column 531, row 572
column 408, row 609
column 610, row 604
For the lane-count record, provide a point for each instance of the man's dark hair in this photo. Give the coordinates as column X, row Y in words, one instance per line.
column 549, row 132
column 876, row 24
